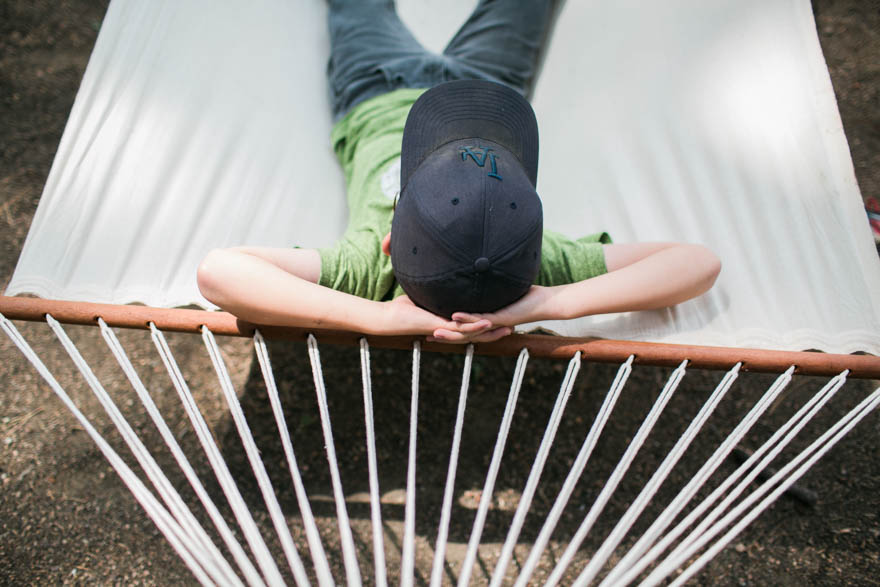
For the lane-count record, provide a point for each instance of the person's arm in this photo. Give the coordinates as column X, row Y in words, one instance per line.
column 279, row 286
column 641, row 276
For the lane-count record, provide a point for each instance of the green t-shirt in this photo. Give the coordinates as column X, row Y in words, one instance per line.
column 367, row 142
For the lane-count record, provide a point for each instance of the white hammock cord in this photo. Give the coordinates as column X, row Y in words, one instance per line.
column 200, row 554
column 240, row 510
column 819, row 447
column 169, row 494
column 375, row 505
column 686, row 494
column 787, row 432
column 238, row 553
column 525, row 501
column 322, row 568
column 352, row 571
column 169, row 527
column 575, row 472
column 691, row 543
column 446, row 510
column 617, row 474
column 144, row 459
column 253, row 456
column 647, row 493
column 407, row 565
column 486, row 495
column 154, row 473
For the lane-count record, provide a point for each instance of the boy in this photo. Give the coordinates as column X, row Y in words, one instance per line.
column 445, row 237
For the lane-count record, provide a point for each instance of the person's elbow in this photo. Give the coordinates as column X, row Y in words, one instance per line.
column 709, row 265
column 211, row 277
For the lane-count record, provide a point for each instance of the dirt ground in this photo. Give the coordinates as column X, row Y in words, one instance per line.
column 65, row 517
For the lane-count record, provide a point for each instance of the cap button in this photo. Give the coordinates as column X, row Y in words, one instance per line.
column 481, row 265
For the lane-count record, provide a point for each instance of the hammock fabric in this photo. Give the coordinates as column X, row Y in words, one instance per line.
column 201, row 126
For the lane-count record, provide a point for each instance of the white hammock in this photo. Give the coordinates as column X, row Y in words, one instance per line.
column 710, row 122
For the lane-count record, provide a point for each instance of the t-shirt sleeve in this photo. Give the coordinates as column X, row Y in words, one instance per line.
column 357, row 266
column 564, row 260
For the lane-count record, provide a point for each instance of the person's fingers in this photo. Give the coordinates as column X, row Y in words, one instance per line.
column 466, row 317
column 454, row 337
column 493, row 335
column 467, row 327
column 449, row 336
column 445, row 334
column 473, row 327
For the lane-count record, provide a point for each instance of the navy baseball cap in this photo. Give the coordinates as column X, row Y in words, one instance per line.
column 467, row 228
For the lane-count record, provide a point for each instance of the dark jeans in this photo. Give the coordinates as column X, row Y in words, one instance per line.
column 373, row 53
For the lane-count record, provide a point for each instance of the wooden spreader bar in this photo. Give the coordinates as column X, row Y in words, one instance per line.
column 539, row 345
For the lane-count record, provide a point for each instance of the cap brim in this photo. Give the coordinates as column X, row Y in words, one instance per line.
column 470, row 109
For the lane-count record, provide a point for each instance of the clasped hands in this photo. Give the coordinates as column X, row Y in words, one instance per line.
column 466, row 327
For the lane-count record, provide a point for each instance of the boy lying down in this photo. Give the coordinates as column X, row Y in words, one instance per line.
column 445, row 236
